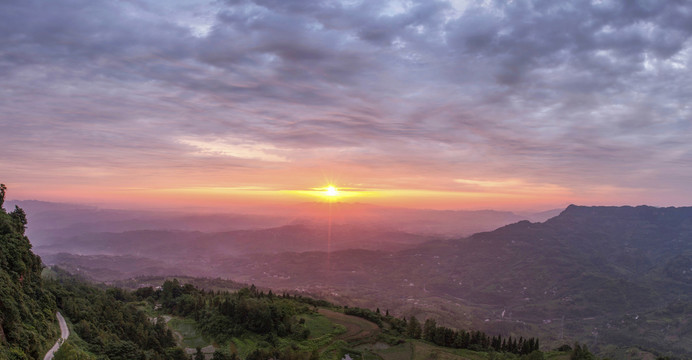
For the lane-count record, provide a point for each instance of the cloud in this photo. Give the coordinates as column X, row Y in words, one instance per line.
column 578, row 94
column 253, row 151
column 511, row 186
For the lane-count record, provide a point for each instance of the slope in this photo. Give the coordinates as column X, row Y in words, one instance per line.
column 27, row 310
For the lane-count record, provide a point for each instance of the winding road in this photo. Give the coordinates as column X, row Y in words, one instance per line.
column 64, row 333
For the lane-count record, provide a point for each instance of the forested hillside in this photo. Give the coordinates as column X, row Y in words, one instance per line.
column 108, row 323
column 108, row 326
column 253, row 324
column 27, row 309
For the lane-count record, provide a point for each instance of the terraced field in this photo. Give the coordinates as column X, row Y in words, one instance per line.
column 356, row 328
column 334, row 335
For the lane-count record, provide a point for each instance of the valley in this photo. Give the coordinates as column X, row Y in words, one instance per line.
column 345, row 180
column 608, row 277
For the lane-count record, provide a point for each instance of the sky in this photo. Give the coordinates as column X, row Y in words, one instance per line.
column 425, row 104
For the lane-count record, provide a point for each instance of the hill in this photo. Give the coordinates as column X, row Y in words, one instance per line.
column 28, row 305
column 611, row 277
column 61, row 223
column 607, row 276
column 175, row 244
column 27, row 310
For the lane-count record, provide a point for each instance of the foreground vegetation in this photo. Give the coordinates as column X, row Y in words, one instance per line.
column 27, row 309
column 251, row 324
column 106, row 325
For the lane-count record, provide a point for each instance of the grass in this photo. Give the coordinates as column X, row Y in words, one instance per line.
column 356, row 328
column 334, row 335
column 556, row 355
column 244, row 346
column 402, row 351
column 187, row 329
column 425, row 351
column 339, row 352
column 319, row 325
column 322, row 336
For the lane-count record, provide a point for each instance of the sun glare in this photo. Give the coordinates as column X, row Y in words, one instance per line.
column 331, row 191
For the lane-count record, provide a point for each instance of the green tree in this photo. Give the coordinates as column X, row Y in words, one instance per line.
column 581, row 352
column 564, row 347
column 12, row 354
column 123, row 350
column 429, row 330
column 3, row 189
column 175, row 354
column 27, row 310
column 68, row 351
column 413, row 329
column 19, row 217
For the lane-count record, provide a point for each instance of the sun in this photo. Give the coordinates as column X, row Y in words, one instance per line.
column 331, row 191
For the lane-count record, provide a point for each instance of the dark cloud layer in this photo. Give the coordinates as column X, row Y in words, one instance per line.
column 579, row 94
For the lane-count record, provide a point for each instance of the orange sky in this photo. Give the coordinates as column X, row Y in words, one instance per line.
column 511, row 194
column 445, row 105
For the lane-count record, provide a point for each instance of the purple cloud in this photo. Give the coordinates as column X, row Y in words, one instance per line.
column 578, row 94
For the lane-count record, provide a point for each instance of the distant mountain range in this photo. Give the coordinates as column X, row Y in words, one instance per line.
column 53, row 223
column 184, row 244
column 606, row 276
